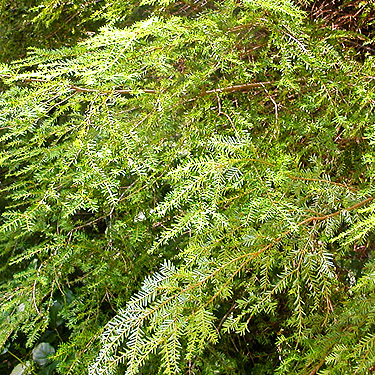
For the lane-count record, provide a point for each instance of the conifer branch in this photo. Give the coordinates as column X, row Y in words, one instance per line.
column 329, row 216
column 224, row 318
column 242, row 87
column 117, row 91
column 322, row 181
column 317, row 367
column 27, row 80
column 253, row 255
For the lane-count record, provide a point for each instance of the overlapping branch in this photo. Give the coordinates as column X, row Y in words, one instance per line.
column 235, row 88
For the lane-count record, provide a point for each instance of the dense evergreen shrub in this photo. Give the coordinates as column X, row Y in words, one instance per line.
column 191, row 193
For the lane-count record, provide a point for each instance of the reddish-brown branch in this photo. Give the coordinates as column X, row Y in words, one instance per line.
column 317, row 367
column 242, row 87
column 325, row 217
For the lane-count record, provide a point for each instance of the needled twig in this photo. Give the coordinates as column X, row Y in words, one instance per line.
column 24, row 79
column 118, row 91
column 243, row 87
column 325, row 217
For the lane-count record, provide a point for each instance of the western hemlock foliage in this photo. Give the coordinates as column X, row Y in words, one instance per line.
column 190, row 193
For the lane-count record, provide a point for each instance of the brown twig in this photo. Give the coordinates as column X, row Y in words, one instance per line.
column 325, row 217
column 243, row 87
column 117, row 91
column 317, row 367
column 25, row 79
column 322, row 180
column 224, row 318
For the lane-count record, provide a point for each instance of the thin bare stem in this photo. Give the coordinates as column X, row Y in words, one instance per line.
column 242, row 87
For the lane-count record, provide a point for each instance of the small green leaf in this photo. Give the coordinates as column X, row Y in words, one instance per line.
column 20, row 368
column 42, row 352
